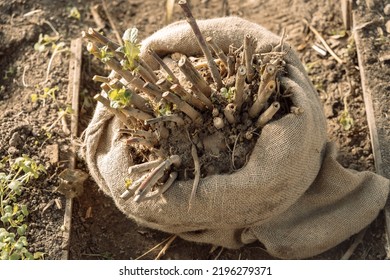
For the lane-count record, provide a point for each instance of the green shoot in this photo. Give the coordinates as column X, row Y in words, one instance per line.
column 74, row 13
column 131, row 48
column 105, row 54
column 48, row 93
column 228, row 93
column 345, row 118
column 13, row 227
column 43, row 41
column 119, row 98
column 8, row 73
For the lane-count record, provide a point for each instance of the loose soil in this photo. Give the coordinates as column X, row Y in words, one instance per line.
column 99, row 230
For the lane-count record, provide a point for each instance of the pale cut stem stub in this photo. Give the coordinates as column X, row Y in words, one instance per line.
column 154, row 176
column 268, row 114
column 194, row 76
column 240, row 84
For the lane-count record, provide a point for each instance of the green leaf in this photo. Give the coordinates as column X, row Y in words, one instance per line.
column 132, row 49
column 74, row 13
column 131, row 35
column 346, row 120
column 119, row 98
column 22, row 230
column 38, row 255
column 8, row 209
column 15, row 185
column 15, row 256
column 24, row 210
column 34, row 97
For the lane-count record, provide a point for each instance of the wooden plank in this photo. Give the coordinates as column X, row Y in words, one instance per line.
column 376, row 141
column 73, row 95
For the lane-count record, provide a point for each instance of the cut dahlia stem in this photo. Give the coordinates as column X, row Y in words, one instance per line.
column 147, row 68
column 166, row 118
column 131, row 190
column 262, row 98
column 206, row 101
column 268, row 114
column 152, row 90
column 240, row 85
column 194, row 76
column 171, row 179
column 141, row 133
column 229, row 113
column 202, row 44
column 218, row 51
column 135, row 113
column 100, row 79
column 116, row 112
column 146, row 75
column 249, row 48
column 139, row 168
column 183, row 106
column 139, row 141
column 188, row 97
column 154, row 176
column 163, row 65
column 218, row 123
column 164, row 84
column 96, row 36
column 231, row 65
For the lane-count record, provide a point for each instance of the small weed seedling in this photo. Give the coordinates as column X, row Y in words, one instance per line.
column 14, row 175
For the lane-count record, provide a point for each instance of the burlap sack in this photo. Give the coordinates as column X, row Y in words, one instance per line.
column 292, row 195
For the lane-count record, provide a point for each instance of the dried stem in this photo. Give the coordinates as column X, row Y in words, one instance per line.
column 96, row 16
column 145, row 74
column 266, row 88
column 141, row 133
column 262, row 99
column 240, row 84
column 267, row 115
column 194, row 76
column 166, row 246
column 249, row 48
column 329, row 49
column 186, row 96
column 112, row 21
column 131, row 190
column 100, row 79
column 99, row 38
column 116, row 112
column 165, row 187
column 183, row 106
column 163, row 66
column 144, row 166
column 152, row 90
column 135, row 113
column 164, row 84
column 218, row 51
column 195, row 185
column 166, row 118
column 202, row 97
column 231, row 61
column 202, row 44
column 139, row 141
column 229, row 113
column 154, row 176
